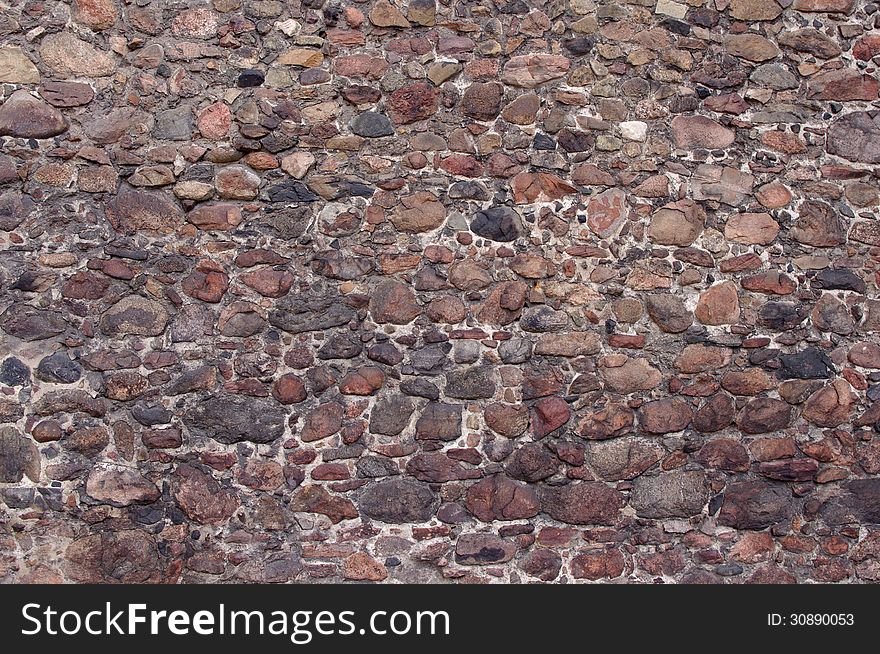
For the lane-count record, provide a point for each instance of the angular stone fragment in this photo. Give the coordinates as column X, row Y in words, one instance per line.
column 470, row 383
column 24, row 116
column 623, row 458
column 316, row 499
column 97, row 15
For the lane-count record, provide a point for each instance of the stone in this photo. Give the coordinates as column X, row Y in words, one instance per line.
column 360, row 566
column 761, row 10
column 384, row 14
column 532, row 462
column 635, row 374
column 677, row 494
column 395, row 303
column 120, row 486
column 24, row 116
column 237, row 183
column 371, row 125
column 412, row 103
column 763, row 415
column 724, row 454
column 844, row 85
column 694, row 132
column 831, row 405
column 198, row 23
column 439, row 421
column 19, row 457
column 152, row 211
column 831, row 315
column 856, row 137
column 201, row 497
column 231, row 419
column 68, row 56
column 669, row 312
column 827, row 6
column 664, row 416
column 751, row 228
column 751, row 47
column 775, row 76
column 811, row 41
column 613, row 421
column 501, row 498
column 622, row 459
column 301, row 58
column 31, row 324
column 606, row 212
column 323, row 421
column 677, row 223
column 470, row 383
column 97, row 15
column 58, row 369
column 582, row 503
column 483, row 549
column 718, row 305
column 818, row 225
column 419, row 212
column 498, row 223
column 596, row 565
column 482, row 100
column 220, row 216
column 127, row 556
column 398, row 500
column 214, row 121
column 508, row 420
column 534, row 70
column 16, row 67
column 865, row 354
column 755, row 505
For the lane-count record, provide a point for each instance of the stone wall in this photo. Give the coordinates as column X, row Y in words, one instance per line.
column 307, row 290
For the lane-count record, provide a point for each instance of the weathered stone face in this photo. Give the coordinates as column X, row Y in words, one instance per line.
column 417, row 291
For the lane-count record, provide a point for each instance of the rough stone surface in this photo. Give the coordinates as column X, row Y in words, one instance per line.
column 416, row 292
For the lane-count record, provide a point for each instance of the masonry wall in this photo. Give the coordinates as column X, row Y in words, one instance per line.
column 458, row 291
